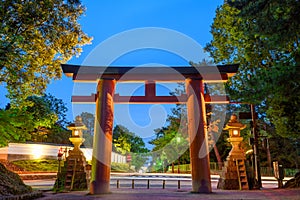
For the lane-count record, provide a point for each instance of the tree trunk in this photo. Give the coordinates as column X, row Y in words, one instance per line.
column 217, row 152
column 173, row 167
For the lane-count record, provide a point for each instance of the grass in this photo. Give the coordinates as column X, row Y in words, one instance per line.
column 40, row 165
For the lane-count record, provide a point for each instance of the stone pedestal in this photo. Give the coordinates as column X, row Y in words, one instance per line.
column 228, row 177
column 75, row 178
column 233, row 175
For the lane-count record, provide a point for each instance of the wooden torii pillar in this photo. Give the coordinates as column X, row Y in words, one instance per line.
column 106, row 78
column 197, row 130
column 102, row 148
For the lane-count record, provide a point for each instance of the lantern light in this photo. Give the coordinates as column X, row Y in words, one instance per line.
column 235, row 132
column 76, row 133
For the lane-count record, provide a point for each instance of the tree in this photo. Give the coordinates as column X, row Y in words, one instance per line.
column 88, row 119
column 36, row 37
column 14, row 126
column 49, row 118
column 171, row 143
column 43, row 118
column 254, row 34
column 58, row 107
column 58, row 135
column 276, row 21
column 121, row 139
column 39, row 122
column 127, row 143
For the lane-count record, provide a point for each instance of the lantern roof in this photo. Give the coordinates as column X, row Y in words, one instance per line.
column 234, row 123
column 77, row 124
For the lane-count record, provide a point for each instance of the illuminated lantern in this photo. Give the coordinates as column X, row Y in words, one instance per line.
column 76, row 129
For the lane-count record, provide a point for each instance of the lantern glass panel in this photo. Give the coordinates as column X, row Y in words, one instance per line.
column 235, row 132
column 76, row 133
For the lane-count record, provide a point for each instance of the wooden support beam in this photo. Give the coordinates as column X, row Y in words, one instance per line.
column 150, row 99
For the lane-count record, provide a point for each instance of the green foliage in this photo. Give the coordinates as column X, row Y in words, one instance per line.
column 41, row 112
column 14, row 126
column 58, row 107
column 120, row 167
column 171, row 142
column 40, row 122
column 126, row 142
column 276, row 21
column 58, row 135
column 262, row 36
column 36, row 37
column 284, row 150
column 121, row 139
column 88, row 119
column 48, row 118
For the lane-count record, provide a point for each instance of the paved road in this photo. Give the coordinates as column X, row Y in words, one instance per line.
column 155, row 181
column 171, row 192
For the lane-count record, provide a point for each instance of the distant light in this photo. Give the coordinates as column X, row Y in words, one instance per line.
column 37, row 152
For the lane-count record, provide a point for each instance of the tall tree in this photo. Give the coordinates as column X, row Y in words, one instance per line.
column 254, row 34
column 36, row 37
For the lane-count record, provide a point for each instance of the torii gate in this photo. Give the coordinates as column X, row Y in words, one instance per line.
column 106, row 78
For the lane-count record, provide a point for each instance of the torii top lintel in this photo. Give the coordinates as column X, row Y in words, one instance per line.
column 219, row 73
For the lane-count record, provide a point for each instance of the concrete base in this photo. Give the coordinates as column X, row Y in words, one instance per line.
column 99, row 187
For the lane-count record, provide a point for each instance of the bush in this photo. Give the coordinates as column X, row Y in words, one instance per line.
column 120, row 167
column 41, row 165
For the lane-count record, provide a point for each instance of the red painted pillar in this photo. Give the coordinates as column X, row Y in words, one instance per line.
column 197, row 129
column 102, row 146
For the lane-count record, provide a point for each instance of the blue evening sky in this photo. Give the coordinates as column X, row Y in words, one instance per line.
column 104, row 19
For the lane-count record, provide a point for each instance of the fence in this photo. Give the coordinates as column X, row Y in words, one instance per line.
column 267, row 171
column 150, row 183
column 216, row 168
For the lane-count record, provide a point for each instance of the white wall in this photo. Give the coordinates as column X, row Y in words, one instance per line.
column 19, row 151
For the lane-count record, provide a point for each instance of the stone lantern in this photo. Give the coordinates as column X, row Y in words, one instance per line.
column 233, row 175
column 234, row 127
column 75, row 174
column 77, row 138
